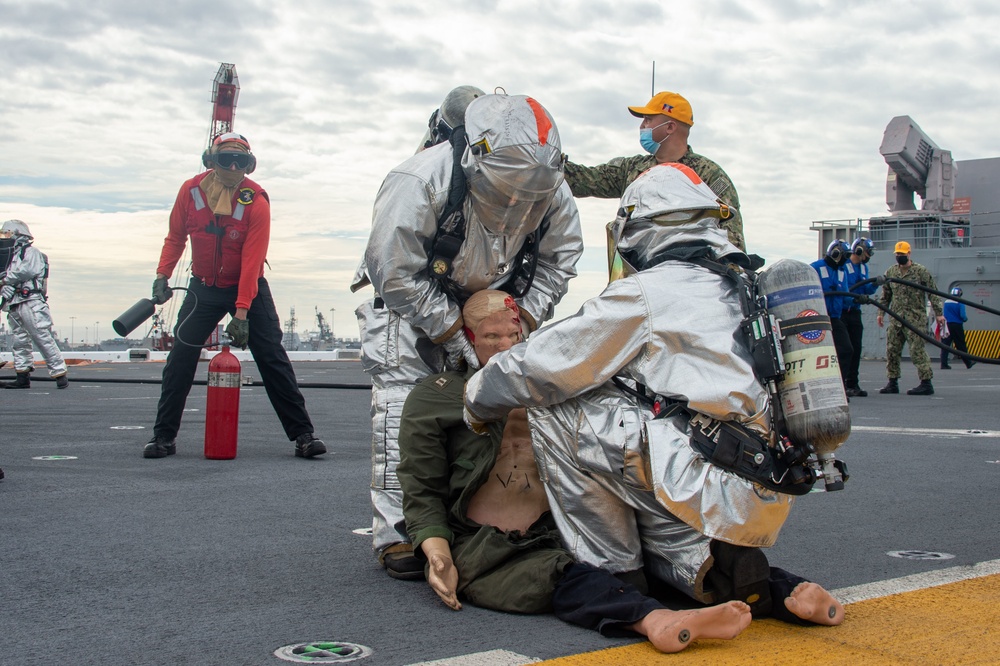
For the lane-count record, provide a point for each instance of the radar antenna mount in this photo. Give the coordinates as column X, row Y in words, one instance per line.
column 916, row 166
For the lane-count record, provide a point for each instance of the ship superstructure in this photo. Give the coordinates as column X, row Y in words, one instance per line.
column 955, row 233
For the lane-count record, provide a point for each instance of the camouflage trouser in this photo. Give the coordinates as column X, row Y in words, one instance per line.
column 894, row 339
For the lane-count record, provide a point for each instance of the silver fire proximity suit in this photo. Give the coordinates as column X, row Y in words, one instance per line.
column 413, row 326
column 628, row 490
column 24, row 288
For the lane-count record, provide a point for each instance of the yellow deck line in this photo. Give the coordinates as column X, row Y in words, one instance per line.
column 955, row 624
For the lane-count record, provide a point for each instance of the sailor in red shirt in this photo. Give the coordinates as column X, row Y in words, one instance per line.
column 228, row 218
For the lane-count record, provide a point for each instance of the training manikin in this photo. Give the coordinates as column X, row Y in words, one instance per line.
column 413, row 327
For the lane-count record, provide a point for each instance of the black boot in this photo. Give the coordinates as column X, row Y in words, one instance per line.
column 740, row 573
column 159, row 447
column 891, row 387
column 308, row 446
column 925, row 388
column 400, row 562
column 21, row 382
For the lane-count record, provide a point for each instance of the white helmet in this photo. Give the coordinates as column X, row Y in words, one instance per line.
column 456, row 102
column 449, row 115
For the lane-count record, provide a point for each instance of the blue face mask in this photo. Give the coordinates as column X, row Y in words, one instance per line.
column 646, row 141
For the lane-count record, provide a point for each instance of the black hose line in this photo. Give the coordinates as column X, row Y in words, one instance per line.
column 864, row 299
column 199, row 382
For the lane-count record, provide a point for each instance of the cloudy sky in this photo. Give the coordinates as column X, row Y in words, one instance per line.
column 105, row 110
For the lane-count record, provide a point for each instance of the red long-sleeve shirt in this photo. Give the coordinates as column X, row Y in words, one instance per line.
column 235, row 258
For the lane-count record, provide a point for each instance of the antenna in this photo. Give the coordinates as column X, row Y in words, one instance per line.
column 652, row 81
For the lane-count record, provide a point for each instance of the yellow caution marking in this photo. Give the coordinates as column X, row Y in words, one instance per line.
column 983, row 343
column 954, row 624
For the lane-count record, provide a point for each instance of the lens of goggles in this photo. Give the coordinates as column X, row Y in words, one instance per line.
column 228, row 160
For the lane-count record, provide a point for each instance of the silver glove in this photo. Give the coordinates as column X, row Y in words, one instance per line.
column 460, row 353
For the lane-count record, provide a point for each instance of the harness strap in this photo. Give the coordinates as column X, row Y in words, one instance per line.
column 737, row 449
column 797, row 325
column 451, row 225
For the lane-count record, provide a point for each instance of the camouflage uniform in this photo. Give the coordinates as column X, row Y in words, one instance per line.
column 608, row 181
column 910, row 304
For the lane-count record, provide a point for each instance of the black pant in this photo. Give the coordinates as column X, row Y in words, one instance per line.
column 956, row 331
column 595, row 599
column 213, row 303
column 855, row 332
column 842, row 342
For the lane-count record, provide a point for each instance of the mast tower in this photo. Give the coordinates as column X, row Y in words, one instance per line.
column 225, row 93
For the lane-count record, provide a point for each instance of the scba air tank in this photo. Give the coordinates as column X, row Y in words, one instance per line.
column 811, row 392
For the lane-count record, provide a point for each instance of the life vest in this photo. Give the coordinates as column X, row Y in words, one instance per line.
column 217, row 240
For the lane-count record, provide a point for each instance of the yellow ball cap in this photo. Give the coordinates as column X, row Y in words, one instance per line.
column 902, row 247
column 668, row 104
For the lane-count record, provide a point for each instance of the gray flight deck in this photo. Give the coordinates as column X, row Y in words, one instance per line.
column 108, row 558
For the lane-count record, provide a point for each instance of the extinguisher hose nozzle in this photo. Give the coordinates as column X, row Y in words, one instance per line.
column 132, row 318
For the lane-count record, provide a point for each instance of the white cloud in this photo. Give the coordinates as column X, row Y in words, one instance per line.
column 104, row 111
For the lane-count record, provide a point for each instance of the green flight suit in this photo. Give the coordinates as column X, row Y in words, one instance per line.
column 608, row 181
column 442, row 465
column 909, row 303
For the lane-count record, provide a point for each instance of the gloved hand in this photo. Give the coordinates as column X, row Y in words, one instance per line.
column 161, row 290
column 460, row 352
column 528, row 323
column 7, row 292
column 879, row 280
column 475, row 426
column 525, row 329
column 238, row 332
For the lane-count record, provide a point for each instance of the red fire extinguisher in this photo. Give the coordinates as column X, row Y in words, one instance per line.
column 222, row 414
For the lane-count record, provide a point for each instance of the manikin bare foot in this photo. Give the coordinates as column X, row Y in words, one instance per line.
column 811, row 602
column 672, row 631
